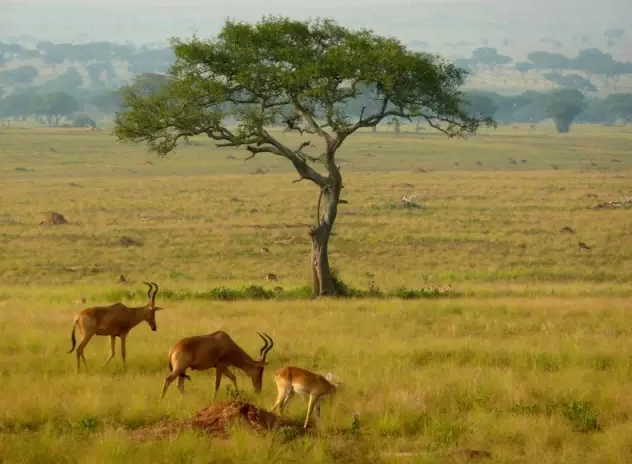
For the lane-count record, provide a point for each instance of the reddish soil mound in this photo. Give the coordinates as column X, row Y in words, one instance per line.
column 54, row 219
column 217, row 419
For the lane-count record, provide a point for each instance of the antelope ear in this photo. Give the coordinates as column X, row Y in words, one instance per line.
column 329, row 377
column 157, row 308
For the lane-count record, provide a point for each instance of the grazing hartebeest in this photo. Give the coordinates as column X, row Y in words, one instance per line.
column 216, row 350
column 290, row 380
column 116, row 321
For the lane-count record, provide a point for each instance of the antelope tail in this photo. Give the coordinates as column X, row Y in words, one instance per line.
column 181, row 375
column 72, row 337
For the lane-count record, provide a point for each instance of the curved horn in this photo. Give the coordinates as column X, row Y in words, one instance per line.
column 150, row 289
column 267, row 350
column 265, row 345
column 153, row 297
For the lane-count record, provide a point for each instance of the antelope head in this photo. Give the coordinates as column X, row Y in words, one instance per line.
column 151, row 308
column 335, row 382
column 257, row 379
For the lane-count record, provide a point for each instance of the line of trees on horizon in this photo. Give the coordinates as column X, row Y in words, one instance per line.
column 65, row 96
column 97, row 66
column 563, row 106
column 591, row 61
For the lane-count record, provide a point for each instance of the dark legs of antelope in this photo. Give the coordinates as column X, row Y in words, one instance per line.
column 219, row 371
column 80, row 348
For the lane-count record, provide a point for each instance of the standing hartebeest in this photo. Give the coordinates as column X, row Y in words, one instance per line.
column 116, row 321
column 216, row 350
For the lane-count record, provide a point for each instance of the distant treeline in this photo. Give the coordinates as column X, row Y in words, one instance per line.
column 591, row 61
column 105, row 65
column 563, row 106
column 92, row 83
column 570, row 104
column 98, row 56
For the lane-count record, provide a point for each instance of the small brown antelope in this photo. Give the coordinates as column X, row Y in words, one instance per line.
column 290, row 380
column 216, row 350
column 582, row 246
column 116, row 321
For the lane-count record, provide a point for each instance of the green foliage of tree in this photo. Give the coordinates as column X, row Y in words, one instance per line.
column 571, row 81
column 489, row 57
column 614, row 70
column 593, row 60
column 83, row 120
column 151, row 61
column 480, row 105
column 96, row 69
column 524, row 67
column 11, row 48
column 530, row 106
column 545, row 60
column 564, row 106
column 21, row 76
column 70, row 82
column 108, row 102
column 16, row 106
column 55, row 106
column 620, row 106
column 596, row 111
column 254, row 72
column 149, row 83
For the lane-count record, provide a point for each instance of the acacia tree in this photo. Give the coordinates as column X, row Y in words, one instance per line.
column 255, row 72
column 564, row 106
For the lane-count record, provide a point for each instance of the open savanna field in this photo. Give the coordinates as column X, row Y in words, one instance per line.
column 529, row 357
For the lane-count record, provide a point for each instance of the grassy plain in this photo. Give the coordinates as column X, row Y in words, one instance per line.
column 530, row 360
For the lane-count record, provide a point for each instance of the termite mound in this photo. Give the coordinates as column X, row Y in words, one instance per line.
column 218, row 419
column 53, row 218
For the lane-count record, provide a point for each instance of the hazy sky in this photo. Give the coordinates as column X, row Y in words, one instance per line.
column 434, row 21
column 295, row 3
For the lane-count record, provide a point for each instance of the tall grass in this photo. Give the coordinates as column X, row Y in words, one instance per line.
column 527, row 357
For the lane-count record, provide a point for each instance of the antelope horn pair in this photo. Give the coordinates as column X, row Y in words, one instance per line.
column 268, row 344
column 151, row 297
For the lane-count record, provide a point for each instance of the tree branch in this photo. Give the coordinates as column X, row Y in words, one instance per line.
column 295, row 156
column 313, row 125
column 257, row 150
column 307, row 143
column 374, row 119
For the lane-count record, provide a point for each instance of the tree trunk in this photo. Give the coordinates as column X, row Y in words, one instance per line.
column 322, row 279
column 563, row 126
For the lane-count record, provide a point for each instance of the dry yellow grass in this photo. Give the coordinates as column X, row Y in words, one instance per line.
column 531, row 363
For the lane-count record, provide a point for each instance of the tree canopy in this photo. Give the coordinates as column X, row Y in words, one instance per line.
column 311, row 66
column 300, row 74
column 565, row 105
column 55, row 106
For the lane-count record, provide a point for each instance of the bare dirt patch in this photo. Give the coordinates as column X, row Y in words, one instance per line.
column 128, row 242
column 217, row 421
